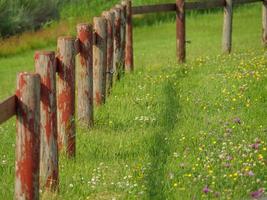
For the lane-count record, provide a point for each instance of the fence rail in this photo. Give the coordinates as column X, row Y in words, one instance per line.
column 44, row 102
column 7, row 108
column 171, row 7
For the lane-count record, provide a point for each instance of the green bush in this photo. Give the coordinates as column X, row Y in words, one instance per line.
column 20, row 15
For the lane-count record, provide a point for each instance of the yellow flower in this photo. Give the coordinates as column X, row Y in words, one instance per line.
column 260, row 157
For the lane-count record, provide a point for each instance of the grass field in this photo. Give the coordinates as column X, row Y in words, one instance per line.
column 168, row 131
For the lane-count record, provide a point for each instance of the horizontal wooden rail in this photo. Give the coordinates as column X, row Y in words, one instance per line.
column 204, row 5
column 7, row 108
column 154, row 8
column 168, row 7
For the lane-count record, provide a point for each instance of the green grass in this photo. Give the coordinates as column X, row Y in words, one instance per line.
column 167, row 131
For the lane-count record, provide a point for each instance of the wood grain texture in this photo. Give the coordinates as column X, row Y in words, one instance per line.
column 85, row 74
column 45, row 66
column 66, row 95
column 28, row 137
column 227, row 27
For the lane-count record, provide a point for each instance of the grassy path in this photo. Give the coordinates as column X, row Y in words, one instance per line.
column 194, row 131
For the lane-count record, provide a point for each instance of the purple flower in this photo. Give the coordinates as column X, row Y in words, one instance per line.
column 257, row 194
column 206, row 189
column 256, row 144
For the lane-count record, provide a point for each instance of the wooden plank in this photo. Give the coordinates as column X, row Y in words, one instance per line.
column 237, row 2
column 204, row 5
column 7, row 108
column 168, row 7
column 154, row 8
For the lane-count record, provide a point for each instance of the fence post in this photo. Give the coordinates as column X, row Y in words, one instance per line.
column 122, row 9
column 66, row 95
column 45, row 66
column 120, row 66
column 85, row 74
column 129, row 63
column 123, row 34
column 117, row 43
column 27, row 138
column 227, row 26
column 100, row 59
column 110, row 16
column 180, row 31
column 264, row 23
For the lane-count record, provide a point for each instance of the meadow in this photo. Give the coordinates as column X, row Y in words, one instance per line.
column 168, row 131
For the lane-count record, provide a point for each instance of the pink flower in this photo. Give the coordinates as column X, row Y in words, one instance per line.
column 250, row 173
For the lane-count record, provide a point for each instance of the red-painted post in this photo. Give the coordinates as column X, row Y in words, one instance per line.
column 45, row 66
column 117, row 44
column 180, row 31
column 28, row 137
column 100, row 59
column 66, row 95
column 110, row 16
column 129, row 59
column 85, row 74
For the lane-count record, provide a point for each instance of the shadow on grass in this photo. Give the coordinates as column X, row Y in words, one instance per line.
column 160, row 147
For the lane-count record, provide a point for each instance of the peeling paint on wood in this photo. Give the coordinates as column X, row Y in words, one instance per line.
column 28, row 137
column 129, row 61
column 85, row 74
column 100, row 59
column 66, row 95
column 110, row 17
column 45, row 65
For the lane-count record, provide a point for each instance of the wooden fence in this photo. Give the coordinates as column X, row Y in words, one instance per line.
column 44, row 101
column 181, row 6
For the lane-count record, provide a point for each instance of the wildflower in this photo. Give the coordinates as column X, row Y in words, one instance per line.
column 257, row 194
column 206, row 189
column 250, row 173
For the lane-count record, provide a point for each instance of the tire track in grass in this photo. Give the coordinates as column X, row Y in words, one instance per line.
column 160, row 148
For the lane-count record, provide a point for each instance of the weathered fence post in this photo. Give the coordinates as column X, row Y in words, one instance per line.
column 122, row 9
column 110, row 16
column 129, row 63
column 85, row 74
column 100, row 59
column 66, row 95
column 45, row 65
column 28, row 137
column 227, row 26
column 123, row 34
column 117, row 44
column 264, row 23
column 180, row 31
